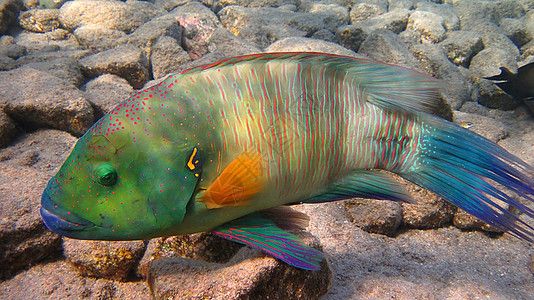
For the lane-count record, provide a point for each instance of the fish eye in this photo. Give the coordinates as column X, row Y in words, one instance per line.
column 106, row 174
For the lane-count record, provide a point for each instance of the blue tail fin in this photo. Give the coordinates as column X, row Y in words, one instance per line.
column 464, row 168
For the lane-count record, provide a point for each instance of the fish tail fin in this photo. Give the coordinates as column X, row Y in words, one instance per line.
column 464, row 168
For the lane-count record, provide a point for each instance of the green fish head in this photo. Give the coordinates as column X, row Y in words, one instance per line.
column 121, row 182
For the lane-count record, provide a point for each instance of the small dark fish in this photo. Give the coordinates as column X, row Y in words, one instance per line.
column 520, row 85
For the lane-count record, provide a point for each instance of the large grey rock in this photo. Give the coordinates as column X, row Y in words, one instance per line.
column 263, row 26
column 103, row 259
column 419, row 264
column 167, row 57
column 126, row 61
column 9, row 10
column 490, row 128
column 516, row 30
column 198, row 23
column 494, row 37
column 107, row 13
column 395, row 20
column 404, row 4
column 43, row 150
column 258, row 3
column 13, row 50
column 23, row 238
column 351, row 36
column 198, row 246
column 8, row 129
column 480, row 11
column 36, row 98
column 146, row 35
column 325, row 35
column 490, row 95
column 248, row 275
column 224, row 42
column 461, row 46
column 6, row 63
column 385, row 46
column 434, row 61
column 375, row 216
column 52, row 55
column 363, row 11
column 107, row 91
column 301, row 44
column 40, row 20
column 59, row 280
column 97, row 37
column 58, row 39
column 450, row 18
column 25, row 168
column 333, row 15
column 429, row 25
column 66, row 68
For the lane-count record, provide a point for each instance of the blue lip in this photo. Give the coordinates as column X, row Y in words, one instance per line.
column 58, row 220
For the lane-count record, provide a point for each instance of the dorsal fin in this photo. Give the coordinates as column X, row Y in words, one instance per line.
column 385, row 85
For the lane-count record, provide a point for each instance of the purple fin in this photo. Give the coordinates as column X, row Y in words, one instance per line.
column 260, row 233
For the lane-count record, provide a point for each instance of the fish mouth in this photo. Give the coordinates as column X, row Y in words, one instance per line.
column 59, row 220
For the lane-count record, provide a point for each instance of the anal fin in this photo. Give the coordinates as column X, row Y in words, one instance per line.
column 370, row 184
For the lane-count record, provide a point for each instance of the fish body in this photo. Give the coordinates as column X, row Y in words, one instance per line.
column 520, row 85
column 218, row 147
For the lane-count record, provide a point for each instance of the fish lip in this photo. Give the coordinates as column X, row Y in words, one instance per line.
column 58, row 219
column 60, row 224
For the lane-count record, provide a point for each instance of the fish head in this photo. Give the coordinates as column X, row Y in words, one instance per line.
column 124, row 184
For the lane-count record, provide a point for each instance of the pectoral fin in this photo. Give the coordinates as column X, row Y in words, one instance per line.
column 259, row 232
column 238, row 182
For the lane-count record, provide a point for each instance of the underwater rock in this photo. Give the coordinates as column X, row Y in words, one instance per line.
column 24, row 240
column 103, row 259
column 428, row 211
column 465, row 221
column 59, row 280
column 7, row 129
column 333, row 15
column 44, row 150
column 263, row 26
column 325, row 35
column 516, row 30
column 110, row 14
column 375, row 216
column 248, row 275
column 198, row 23
column 66, row 68
column 363, row 11
column 9, row 10
column 97, row 37
column 490, row 128
column 435, row 62
column 488, row 61
column 36, row 98
column 461, row 46
column 167, row 57
column 450, row 18
column 51, row 56
column 404, row 4
column 6, row 63
column 40, row 20
column 106, row 91
column 429, row 25
column 395, row 20
column 224, row 42
column 13, row 50
column 58, row 39
column 351, row 37
column 199, row 246
column 298, row 44
column 146, row 35
column 126, row 61
column 385, row 46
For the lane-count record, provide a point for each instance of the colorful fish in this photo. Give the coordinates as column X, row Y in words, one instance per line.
column 227, row 146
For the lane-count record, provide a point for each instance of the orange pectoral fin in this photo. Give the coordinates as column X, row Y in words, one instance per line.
column 238, row 182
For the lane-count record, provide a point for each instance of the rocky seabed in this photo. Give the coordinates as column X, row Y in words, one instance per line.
column 64, row 64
